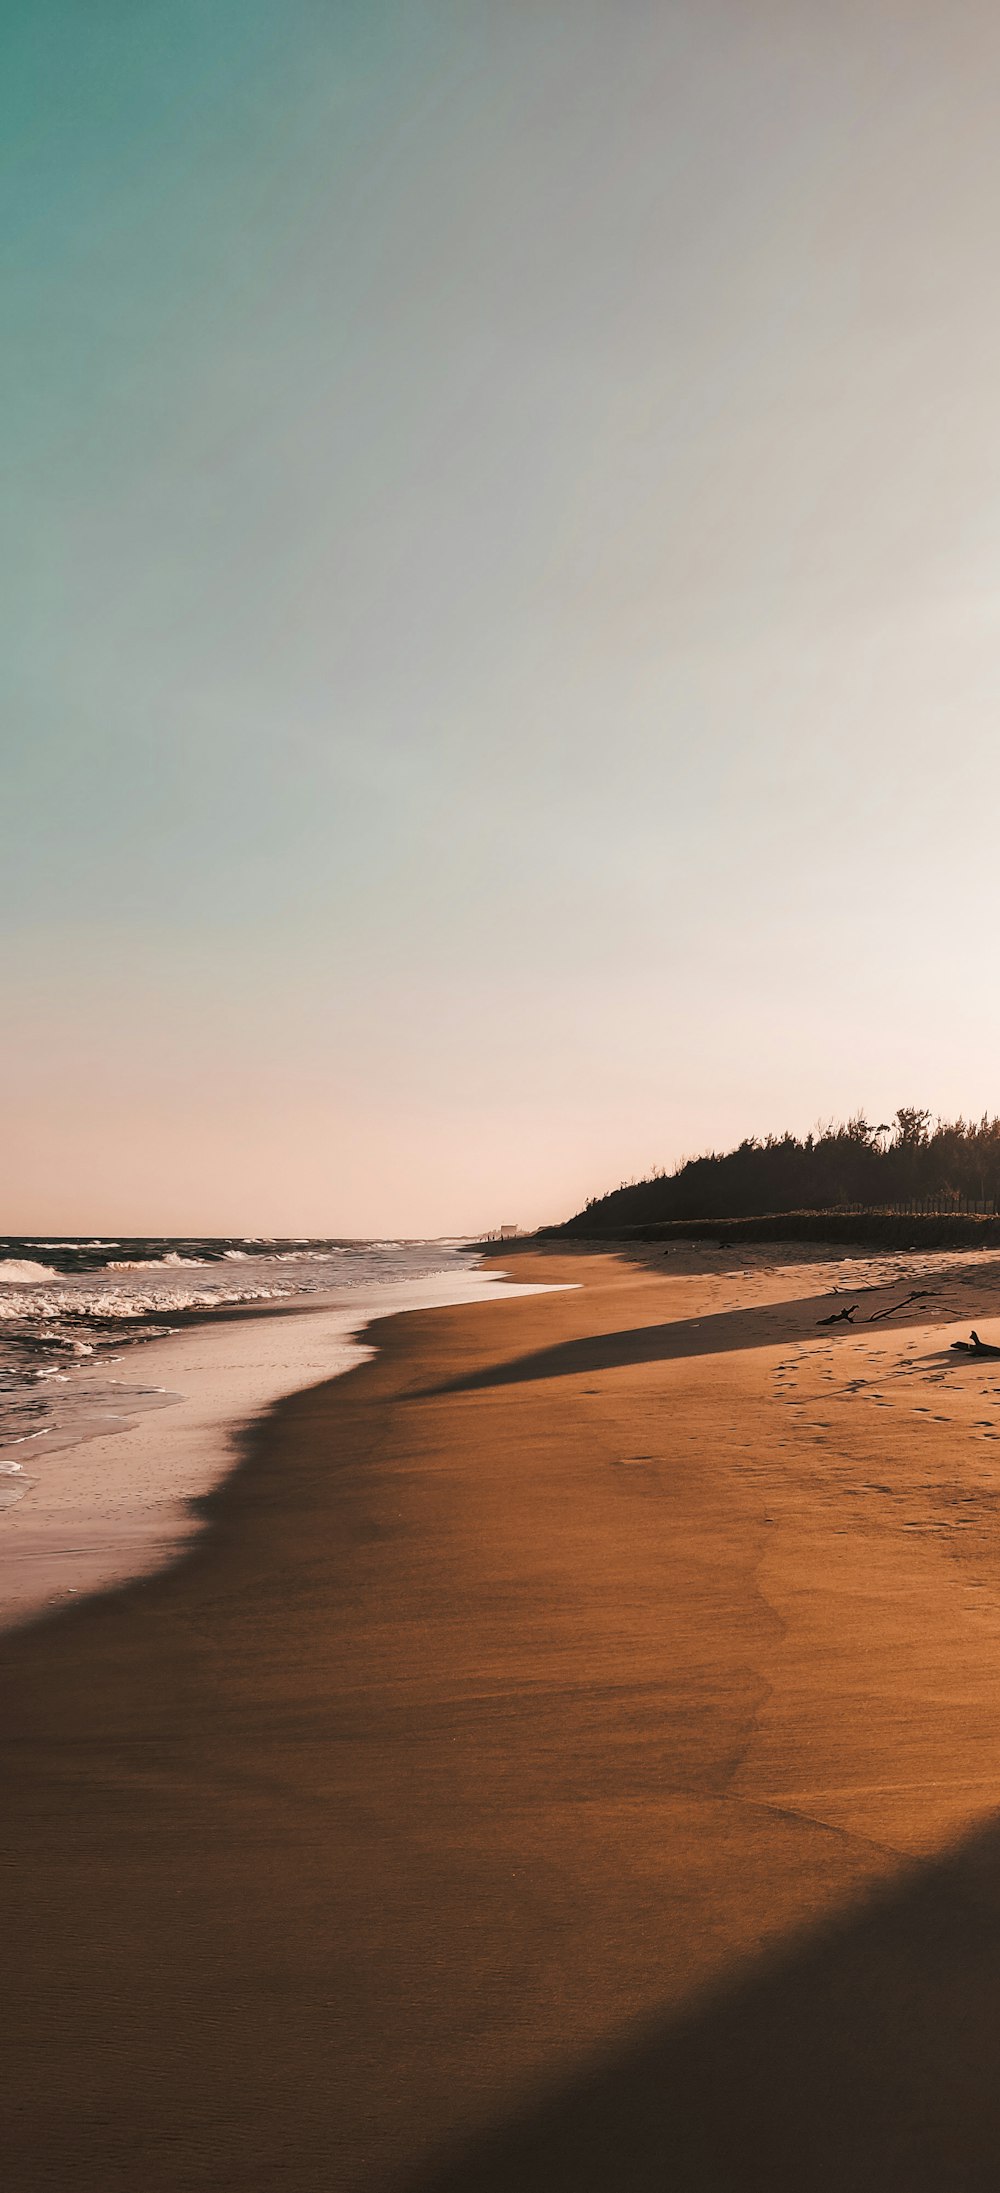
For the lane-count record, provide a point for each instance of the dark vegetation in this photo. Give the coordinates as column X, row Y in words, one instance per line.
column 902, row 1170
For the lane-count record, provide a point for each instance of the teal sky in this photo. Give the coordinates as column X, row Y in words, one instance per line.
column 501, row 593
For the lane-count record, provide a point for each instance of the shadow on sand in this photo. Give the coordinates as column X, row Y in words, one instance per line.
column 866, row 2056
column 768, row 1325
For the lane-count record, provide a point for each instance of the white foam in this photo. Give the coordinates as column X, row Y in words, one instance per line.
column 118, row 1304
column 111, row 1482
column 53, row 1324
column 171, row 1262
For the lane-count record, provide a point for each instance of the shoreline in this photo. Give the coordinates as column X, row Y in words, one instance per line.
column 100, row 1510
column 550, row 1692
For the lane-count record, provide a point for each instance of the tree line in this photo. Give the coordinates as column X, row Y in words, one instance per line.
column 909, row 1159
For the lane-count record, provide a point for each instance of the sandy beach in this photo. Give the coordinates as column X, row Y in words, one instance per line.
column 97, row 1511
column 568, row 1759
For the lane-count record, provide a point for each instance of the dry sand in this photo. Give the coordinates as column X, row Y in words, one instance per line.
column 577, row 1738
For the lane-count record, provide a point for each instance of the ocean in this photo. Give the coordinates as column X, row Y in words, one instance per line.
column 74, row 1316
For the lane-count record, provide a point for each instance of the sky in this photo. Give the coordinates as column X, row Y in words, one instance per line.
column 501, row 596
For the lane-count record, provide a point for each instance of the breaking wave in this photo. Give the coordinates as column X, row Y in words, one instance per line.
column 61, row 1322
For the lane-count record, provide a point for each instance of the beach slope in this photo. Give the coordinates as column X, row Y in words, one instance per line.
column 562, row 1762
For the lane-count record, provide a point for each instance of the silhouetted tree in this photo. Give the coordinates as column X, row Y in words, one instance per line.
column 847, row 1162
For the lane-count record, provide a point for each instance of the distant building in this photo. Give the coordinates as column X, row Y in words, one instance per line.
column 509, row 1233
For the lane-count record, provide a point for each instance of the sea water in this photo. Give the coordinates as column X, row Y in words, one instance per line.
column 74, row 1313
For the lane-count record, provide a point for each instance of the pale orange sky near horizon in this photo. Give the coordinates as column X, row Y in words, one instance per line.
column 502, row 599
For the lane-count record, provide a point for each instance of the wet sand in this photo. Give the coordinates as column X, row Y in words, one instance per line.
column 576, row 1738
column 91, row 1512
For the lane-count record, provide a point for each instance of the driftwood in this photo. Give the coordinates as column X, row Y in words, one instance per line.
column 839, row 1317
column 975, row 1346
column 920, row 1294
